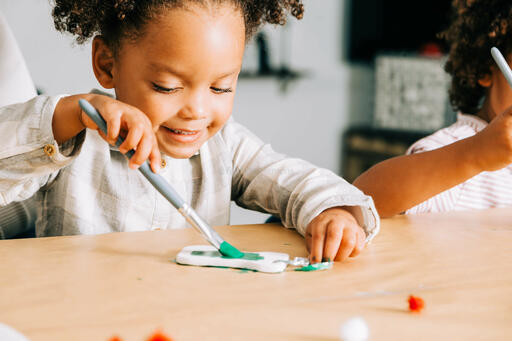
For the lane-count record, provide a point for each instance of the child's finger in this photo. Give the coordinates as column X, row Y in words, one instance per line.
column 132, row 139
column 103, row 136
column 87, row 121
column 333, row 236
column 113, row 129
column 155, row 159
column 317, row 244
column 308, row 239
column 347, row 244
column 142, row 151
column 361, row 238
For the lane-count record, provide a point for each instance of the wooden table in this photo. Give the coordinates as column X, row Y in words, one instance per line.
column 125, row 284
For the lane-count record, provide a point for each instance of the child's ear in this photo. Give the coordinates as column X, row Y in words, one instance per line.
column 103, row 62
column 485, row 81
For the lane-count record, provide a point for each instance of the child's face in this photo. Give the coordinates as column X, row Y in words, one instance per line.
column 182, row 73
column 499, row 95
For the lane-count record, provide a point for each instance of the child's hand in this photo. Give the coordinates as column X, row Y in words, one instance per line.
column 131, row 124
column 334, row 235
column 493, row 145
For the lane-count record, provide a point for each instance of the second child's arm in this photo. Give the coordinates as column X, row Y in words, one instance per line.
column 403, row 182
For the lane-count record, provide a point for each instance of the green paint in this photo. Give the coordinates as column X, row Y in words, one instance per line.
column 245, row 271
column 230, row 251
column 316, row 266
column 139, row 279
column 248, row 256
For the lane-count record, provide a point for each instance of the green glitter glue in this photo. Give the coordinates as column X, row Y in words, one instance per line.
column 315, row 267
column 247, row 255
column 230, row 251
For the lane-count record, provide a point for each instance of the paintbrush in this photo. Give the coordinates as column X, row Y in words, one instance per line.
column 502, row 64
column 168, row 192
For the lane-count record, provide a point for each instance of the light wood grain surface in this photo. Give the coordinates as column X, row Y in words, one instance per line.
column 125, row 284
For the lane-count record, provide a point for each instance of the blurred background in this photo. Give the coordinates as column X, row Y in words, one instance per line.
column 353, row 83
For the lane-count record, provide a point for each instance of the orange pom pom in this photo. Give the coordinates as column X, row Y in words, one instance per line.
column 115, row 338
column 416, row 304
column 159, row 336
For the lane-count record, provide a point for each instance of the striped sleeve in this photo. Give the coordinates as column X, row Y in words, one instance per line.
column 452, row 198
column 442, row 202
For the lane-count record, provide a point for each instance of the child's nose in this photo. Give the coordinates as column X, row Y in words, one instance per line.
column 195, row 107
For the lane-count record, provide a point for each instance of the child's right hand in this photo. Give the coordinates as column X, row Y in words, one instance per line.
column 122, row 120
column 494, row 143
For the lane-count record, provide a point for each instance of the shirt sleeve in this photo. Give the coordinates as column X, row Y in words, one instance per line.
column 30, row 157
column 292, row 189
column 444, row 201
column 17, row 218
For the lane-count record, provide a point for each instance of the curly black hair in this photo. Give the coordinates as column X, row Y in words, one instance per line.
column 118, row 19
column 477, row 25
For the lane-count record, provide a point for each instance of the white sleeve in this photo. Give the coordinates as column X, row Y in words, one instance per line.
column 292, row 189
column 30, row 157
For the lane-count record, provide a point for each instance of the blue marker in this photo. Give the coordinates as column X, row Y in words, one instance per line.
column 168, row 192
column 502, row 64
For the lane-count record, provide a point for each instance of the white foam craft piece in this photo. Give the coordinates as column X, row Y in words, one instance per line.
column 354, row 329
column 8, row 333
column 268, row 264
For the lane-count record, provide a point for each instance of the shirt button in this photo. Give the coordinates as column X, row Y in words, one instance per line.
column 163, row 164
column 49, row 150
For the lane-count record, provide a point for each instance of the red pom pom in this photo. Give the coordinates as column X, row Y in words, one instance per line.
column 159, row 336
column 115, row 338
column 416, row 304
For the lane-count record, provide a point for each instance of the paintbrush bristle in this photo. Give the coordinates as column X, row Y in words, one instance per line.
column 230, row 251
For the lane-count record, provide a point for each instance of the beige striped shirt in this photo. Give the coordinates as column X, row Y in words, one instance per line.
column 85, row 187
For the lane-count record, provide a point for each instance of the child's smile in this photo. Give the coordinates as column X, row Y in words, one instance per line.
column 182, row 73
column 180, row 135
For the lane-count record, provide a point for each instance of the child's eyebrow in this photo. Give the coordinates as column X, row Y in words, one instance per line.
column 165, row 68
column 228, row 73
column 158, row 67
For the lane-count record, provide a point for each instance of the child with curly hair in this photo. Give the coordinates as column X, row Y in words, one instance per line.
column 467, row 165
column 174, row 66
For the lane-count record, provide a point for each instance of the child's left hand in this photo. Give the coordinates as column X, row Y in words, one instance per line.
column 334, row 235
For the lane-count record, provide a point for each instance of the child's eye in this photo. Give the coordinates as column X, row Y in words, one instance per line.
column 162, row 89
column 221, row 90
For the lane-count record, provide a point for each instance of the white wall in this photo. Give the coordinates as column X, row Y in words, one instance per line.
column 306, row 121
column 55, row 64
